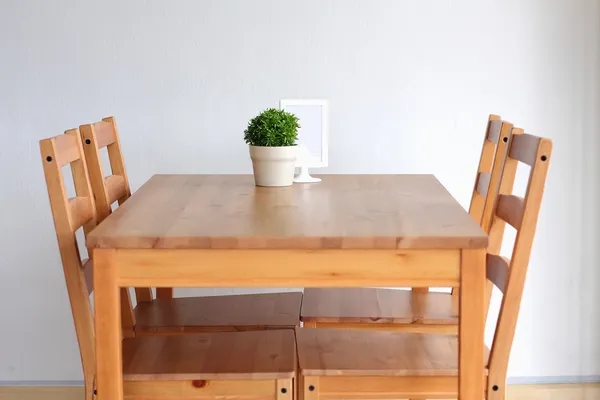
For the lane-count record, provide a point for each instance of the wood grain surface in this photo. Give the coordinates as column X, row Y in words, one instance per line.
column 379, row 306
column 583, row 391
column 224, row 355
column 343, row 211
column 335, row 352
column 238, row 312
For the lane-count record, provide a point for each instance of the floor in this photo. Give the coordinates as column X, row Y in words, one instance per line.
column 516, row 392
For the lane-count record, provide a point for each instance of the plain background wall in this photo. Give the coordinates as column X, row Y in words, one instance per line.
column 410, row 85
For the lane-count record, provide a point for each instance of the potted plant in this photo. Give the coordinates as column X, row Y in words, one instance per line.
column 272, row 138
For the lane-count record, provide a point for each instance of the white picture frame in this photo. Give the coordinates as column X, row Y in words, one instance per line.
column 312, row 150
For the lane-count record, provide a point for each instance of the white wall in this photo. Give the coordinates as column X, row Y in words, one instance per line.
column 410, row 85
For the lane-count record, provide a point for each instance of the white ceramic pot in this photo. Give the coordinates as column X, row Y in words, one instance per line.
column 273, row 166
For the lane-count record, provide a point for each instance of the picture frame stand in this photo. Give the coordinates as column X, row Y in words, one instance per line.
column 304, row 176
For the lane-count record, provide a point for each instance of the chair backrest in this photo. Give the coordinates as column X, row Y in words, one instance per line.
column 509, row 275
column 489, row 171
column 70, row 215
column 110, row 188
column 107, row 188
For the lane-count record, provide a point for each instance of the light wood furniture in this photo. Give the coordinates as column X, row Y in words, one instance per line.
column 346, row 212
column 583, row 391
column 381, row 309
column 192, row 365
column 557, row 391
column 347, row 231
column 166, row 315
column 416, row 310
column 218, row 313
column 69, row 216
column 112, row 188
column 363, row 364
column 237, row 365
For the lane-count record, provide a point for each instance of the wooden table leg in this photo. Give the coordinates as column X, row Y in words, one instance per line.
column 472, row 325
column 107, row 304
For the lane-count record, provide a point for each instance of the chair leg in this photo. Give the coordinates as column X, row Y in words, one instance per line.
column 309, row 389
column 89, row 387
column 285, row 389
column 496, row 389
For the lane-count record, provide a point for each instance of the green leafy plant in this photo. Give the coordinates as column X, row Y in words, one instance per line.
column 272, row 128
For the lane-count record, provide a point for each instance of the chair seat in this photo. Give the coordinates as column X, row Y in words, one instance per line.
column 269, row 354
column 338, row 352
column 371, row 305
column 219, row 313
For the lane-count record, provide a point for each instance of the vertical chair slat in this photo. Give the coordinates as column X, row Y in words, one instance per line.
column 494, row 225
column 115, row 155
column 482, row 206
column 522, row 149
column 113, row 188
column 55, row 151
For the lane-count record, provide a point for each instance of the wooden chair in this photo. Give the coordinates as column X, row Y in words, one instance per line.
column 258, row 364
column 362, row 364
column 416, row 310
column 165, row 314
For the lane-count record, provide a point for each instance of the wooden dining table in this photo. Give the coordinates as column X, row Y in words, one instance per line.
column 347, row 231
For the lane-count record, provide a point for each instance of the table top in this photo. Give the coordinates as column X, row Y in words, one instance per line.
column 342, row 211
